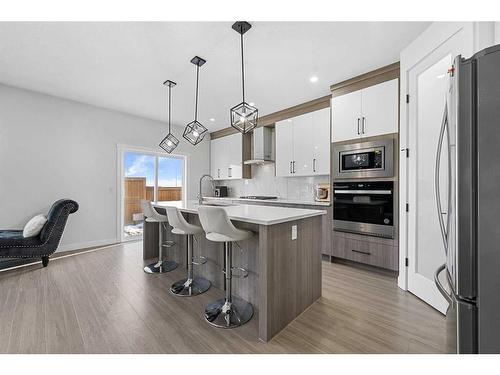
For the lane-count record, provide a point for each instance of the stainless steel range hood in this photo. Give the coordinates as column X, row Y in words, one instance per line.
column 262, row 146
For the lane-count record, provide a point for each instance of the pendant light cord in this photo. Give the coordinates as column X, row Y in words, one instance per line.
column 196, row 98
column 242, row 65
column 169, row 105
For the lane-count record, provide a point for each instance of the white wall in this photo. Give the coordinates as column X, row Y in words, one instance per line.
column 484, row 35
column 52, row 148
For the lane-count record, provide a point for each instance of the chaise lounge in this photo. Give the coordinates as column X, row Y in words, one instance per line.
column 14, row 245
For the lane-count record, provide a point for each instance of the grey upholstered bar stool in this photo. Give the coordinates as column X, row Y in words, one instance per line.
column 190, row 286
column 152, row 216
column 230, row 311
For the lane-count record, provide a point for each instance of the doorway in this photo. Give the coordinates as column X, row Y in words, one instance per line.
column 427, row 84
column 146, row 175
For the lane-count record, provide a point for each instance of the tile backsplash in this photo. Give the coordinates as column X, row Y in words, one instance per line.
column 264, row 182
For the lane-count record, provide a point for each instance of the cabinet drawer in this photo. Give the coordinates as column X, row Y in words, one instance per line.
column 373, row 253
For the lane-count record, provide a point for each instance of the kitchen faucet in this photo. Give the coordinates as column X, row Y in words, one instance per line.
column 200, row 196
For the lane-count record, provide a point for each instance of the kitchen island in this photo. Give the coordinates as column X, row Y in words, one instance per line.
column 283, row 258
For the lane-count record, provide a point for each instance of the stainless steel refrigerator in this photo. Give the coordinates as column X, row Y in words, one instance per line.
column 470, row 219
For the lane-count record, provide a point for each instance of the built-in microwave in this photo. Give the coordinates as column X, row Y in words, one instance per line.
column 363, row 159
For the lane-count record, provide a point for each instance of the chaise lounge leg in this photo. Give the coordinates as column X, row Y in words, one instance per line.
column 45, row 261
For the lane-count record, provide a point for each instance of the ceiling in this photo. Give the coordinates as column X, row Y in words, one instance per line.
column 122, row 65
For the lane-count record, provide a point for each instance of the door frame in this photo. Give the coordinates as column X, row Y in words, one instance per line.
column 120, row 151
column 425, row 44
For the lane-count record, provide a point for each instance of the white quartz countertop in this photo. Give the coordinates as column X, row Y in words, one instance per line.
column 255, row 214
column 278, row 200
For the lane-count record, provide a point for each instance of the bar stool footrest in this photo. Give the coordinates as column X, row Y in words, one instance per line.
column 168, row 244
column 199, row 261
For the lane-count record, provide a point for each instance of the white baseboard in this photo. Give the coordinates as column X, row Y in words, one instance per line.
column 84, row 245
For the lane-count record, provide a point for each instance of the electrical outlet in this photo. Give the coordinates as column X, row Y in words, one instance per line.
column 294, row 232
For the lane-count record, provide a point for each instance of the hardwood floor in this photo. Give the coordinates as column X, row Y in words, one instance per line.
column 102, row 302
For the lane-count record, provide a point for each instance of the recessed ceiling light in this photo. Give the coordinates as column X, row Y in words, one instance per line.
column 212, row 119
column 313, row 79
column 252, row 103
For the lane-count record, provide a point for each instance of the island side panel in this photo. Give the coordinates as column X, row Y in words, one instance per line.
column 290, row 272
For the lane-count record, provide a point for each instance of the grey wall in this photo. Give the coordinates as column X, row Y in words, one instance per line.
column 52, row 148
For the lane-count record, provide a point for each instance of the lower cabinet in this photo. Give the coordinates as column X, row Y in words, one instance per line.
column 379, row 252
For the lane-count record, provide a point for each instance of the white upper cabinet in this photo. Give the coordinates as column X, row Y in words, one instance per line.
column 346, row 116
column 284, row 148
column 380, row 109
column 226, row 157
column 366, row 113
column 321, row 142
column 216, row 158
column 303, row 145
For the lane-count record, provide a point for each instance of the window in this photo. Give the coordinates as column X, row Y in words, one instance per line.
column 149, row 176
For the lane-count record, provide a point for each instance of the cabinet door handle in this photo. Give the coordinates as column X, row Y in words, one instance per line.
column 218, row 172
column 229, row 172
column 358, row 125
column 314, row 165
column 361, row 252
column 363, row 125
column 291, row 167
column 293, row 164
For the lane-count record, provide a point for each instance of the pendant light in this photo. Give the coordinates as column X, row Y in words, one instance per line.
column 170, row 142
column 195, row 131
column 243, row 116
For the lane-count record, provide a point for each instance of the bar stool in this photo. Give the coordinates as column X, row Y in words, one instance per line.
column 230, row 311
column 190, row 286
column 152, row 216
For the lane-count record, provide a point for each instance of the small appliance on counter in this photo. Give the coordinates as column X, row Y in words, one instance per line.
column 322, row 192
column 220, row 191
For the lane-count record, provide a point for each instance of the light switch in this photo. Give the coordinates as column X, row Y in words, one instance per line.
column 294, row 232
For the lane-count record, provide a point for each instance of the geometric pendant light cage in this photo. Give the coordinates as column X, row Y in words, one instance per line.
column 195, row 131
column 243, row 116
column 170, row 142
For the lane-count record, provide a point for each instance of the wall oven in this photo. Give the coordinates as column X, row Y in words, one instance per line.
column 364, row 207
column 363, row 159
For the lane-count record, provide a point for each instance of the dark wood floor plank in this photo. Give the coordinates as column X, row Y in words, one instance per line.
column 103, row 302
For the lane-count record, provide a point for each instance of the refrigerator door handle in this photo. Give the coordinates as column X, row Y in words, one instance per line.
column 440, row 286
column 437, row 190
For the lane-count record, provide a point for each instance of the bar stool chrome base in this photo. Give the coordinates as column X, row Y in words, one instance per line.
column 161, row 267
column 190, row 287
column 225, row 314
